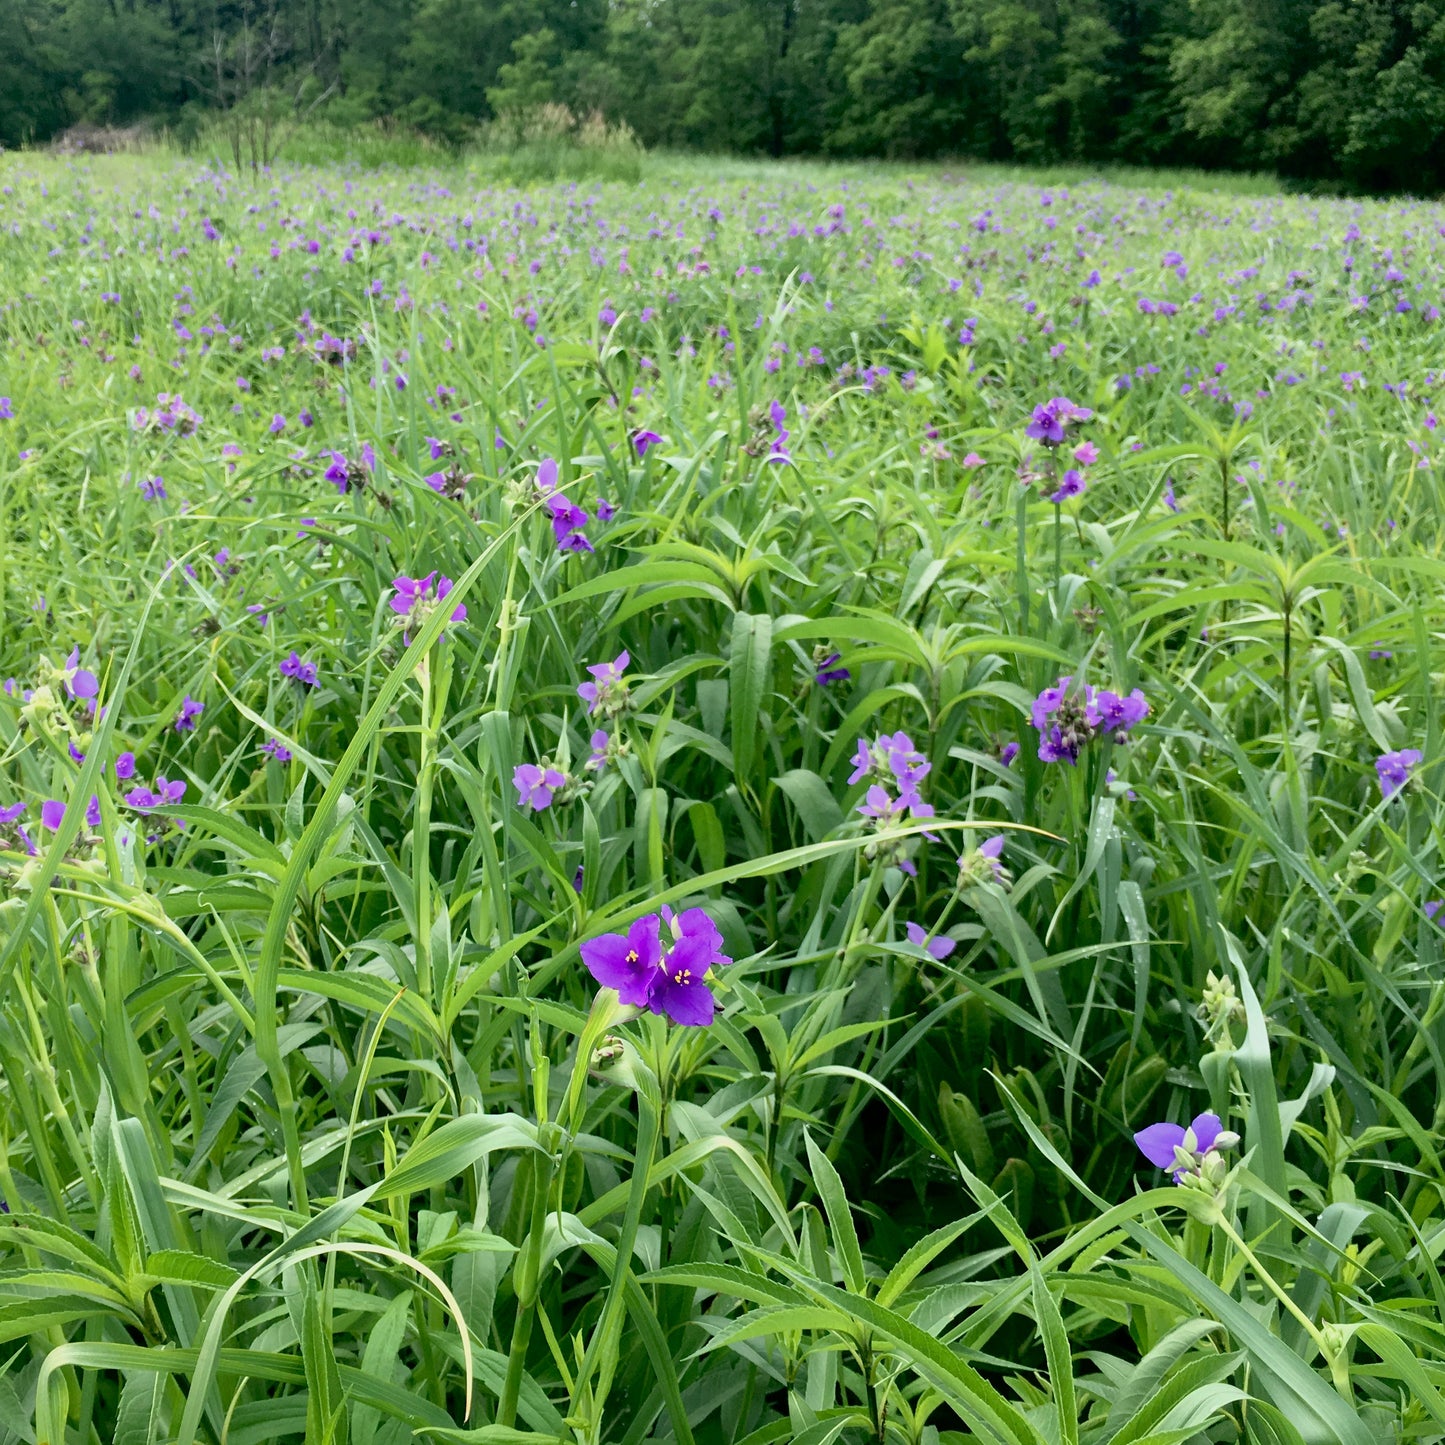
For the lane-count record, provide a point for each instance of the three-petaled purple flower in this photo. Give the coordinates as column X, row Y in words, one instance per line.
column 536, row 784
column 1394, row 769
column 186, row 717
column 1177, row 1149
column 299, row 670
column 826, row 670
column 644, row 440
column 607, row 692
column 661, row 964
column 80, row 682
column 1052, row 418
column 891, row 757
column 1072, row 485
column 417, row 597
column 275, row 748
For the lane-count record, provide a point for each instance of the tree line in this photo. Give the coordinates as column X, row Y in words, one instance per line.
column 1344, row 91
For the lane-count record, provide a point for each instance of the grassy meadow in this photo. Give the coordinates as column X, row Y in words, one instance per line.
column 771, row 804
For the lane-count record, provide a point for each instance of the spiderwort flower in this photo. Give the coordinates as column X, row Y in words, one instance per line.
column 186, row 717
column 537, row 784
column 80, row 682
column 1394, row 769
column 1118, row 714
column 418, row 597
column 568, row 520
column 299, row 670
column 153, row 490
column 275, row 748
column 825, row 668
column 607, row 693
column 890, row 758
column 984, row 864
column 601, row 752
column 661, row 964
column 1182, row 1151
column 1072, row 485
column 348, row 476
column 939, row 947
column 1051, row 419
column 147, row 800
column 644, row 441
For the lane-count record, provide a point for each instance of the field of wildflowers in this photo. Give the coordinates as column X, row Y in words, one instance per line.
column 791, row 806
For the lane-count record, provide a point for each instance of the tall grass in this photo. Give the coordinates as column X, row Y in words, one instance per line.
column 314, row 1119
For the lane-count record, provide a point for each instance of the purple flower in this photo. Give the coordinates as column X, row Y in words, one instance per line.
column 349, row 476
column 147, row 800
column 7, row 411
column 883, row 808
column 52, row 814
column 1072, row 485
column 664, row 972
column 627, row 962
column 1394, row 769
column 417, row 597
column 536, row 784
column 275, row 748
column 1008, row 753
column 80, row 682
column 938, row 948
column 568, row 520
column 889, row 758
column 607, row 692
column 601, row 750
column 190, row 711
column 1118, row 714
column 1172, row 1147
column 605, row 510
column 643, row 440
column 826, row 670
column 153, row 490
column 299, row 670
column 1052, row 417
column 278, row 424
column 1066, row 719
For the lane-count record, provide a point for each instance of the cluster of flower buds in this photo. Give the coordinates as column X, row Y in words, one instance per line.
column 171, row 416
column 1219, row 1007
column 984, row 864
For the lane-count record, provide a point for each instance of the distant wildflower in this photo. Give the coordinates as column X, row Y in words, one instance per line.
column 186, row 717
column 275, row 748
column 125, row 767
column 644, row 441
column 602, row 751
column 7, row 410
column 153, row 489
column 1394, row 769
column 1072, row 485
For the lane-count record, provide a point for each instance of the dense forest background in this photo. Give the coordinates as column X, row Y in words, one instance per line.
column 1345, row 90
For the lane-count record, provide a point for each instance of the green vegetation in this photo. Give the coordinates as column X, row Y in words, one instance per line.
column 1319, row 91
column 971, row 972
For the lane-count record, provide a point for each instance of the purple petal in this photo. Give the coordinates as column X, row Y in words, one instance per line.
column 1158, row 1142
column 1207, row 1128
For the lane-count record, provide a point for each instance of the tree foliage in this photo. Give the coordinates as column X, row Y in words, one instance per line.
column 1349, row 91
